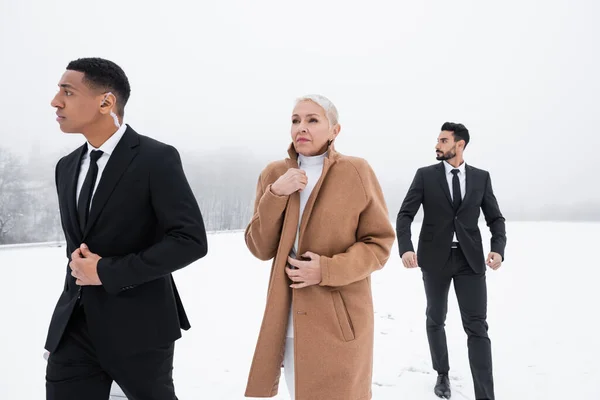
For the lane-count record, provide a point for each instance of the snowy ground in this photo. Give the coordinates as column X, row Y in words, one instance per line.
column 542, row 308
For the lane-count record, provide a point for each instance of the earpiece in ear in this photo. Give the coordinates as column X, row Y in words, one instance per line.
column 105, row 98
column 112, row 113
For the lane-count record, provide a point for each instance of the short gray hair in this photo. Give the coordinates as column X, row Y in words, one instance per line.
column 330, row 111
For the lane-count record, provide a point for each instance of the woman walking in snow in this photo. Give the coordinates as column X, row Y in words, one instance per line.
column 323, row 219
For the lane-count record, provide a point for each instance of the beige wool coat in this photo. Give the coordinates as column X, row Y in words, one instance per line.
column 346, row 222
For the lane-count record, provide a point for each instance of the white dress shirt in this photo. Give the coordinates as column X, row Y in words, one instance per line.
column 313, row 167
column 462, row 179
column 107, row 148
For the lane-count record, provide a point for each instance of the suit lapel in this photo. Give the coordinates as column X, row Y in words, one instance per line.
column 443, row 181
column 468, row 184
column 69, row 194
column 119, row 160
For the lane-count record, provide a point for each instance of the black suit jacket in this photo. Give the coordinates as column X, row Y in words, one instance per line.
column 145, row 223
column 430, row 188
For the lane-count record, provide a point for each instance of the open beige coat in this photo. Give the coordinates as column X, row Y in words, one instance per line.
column 346, row 222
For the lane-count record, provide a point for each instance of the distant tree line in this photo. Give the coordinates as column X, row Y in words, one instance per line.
column 223, row 182
column 224, row 186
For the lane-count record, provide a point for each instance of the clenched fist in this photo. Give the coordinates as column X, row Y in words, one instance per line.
column 494, row 260
column 307, row 273
column 409, row 259
column 292, row 181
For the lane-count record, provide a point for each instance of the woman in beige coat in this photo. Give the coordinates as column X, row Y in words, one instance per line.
column 321, row 215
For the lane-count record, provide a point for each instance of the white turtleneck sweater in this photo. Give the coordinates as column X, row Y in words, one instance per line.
column 313, row 167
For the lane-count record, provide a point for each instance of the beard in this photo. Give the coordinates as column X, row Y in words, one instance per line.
column 447, row 155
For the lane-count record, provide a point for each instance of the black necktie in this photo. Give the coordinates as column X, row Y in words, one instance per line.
column 85, row 196
column 456, row 194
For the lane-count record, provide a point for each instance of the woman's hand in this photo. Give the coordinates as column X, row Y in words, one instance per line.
column 293, row 180
column 308, row 272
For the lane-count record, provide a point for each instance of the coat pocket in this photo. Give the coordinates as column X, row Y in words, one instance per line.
column 342, row 315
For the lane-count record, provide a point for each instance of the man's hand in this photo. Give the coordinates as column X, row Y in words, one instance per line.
column 308, row 272
column 494, row 260
column 84, row 267
column 409, row 259
column 292, row 181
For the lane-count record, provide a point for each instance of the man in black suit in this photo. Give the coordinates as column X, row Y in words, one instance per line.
column 130, row 219
column 452, row 194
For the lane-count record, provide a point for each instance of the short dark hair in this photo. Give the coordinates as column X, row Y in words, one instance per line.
column 106, row 75
column 459, row 131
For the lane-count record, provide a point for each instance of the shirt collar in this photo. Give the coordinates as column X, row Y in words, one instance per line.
column 449, row 167
column 109, row 146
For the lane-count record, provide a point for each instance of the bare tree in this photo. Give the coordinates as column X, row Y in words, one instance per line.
column 224, row 184
column 12, row 194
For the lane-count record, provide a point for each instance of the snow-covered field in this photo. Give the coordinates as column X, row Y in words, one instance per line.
column 543, row 306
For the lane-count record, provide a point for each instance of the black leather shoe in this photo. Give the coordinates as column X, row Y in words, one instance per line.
column 442, row 386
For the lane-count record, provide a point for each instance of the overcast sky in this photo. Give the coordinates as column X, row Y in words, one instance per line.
column 523, row 76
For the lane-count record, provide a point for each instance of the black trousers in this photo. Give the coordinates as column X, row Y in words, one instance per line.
column 471, row 292
column 75, row 373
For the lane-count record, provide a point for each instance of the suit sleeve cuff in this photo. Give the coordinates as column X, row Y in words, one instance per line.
column 495, row 248
column 104, row 273
column 405, row 249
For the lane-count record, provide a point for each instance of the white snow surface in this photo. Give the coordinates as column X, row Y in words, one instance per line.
column 542, row 311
